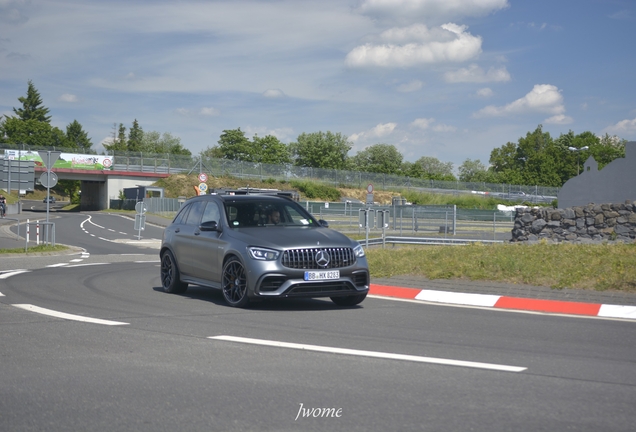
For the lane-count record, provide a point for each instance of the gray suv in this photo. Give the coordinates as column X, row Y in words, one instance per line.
column 260, row 246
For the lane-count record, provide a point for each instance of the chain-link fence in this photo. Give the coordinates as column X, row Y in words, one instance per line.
column 173, row 164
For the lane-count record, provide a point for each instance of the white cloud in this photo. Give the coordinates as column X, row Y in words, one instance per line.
column 441, row 127
column 476, row 74
column 283, row 134
column 560, row 119
column 623, row 127
column 416, row 45
column 273, row 93
column 203, row 112
column 409, row 87
column 209, row 111
column 66, row 97
column 379, row 131
column 430, row 9
column 422, row 123
column 544, row 98
column 485, row 92
column 427, row 123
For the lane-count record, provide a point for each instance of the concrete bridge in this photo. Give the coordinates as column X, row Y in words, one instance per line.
column 98, row 187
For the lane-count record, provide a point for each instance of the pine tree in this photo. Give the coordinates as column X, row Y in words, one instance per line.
column 31, row 106
column 135, row 137
column 77, row 137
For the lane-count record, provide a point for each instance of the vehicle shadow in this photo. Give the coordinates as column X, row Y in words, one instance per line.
column 215, row 296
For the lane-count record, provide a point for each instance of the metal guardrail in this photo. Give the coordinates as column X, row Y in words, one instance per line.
column 425, row 241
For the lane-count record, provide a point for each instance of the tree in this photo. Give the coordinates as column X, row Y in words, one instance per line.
column 31, row 106
column 270, row 150
column 321, row 150
column 154, row 142
column 535, row 160
column 432, row 168
column 135, row 137
column 475, row 171
column 213, row 152
column 31, row 132
column 77, row 138
column 120, row 142
column 233, row 145
column 378, row 158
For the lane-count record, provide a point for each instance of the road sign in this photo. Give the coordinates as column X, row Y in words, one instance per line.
column 140, row 207
column 370, row 188
column 203, row 188
column 48, row 179
column 203, row 177
column 49, row 157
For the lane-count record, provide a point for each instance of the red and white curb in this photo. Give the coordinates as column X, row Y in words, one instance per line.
column 504, row 302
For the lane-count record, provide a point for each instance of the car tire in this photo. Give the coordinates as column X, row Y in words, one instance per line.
column 235, row 283
column 349, row 300
column 170, row 276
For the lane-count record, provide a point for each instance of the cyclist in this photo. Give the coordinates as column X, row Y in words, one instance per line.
column 3, row 205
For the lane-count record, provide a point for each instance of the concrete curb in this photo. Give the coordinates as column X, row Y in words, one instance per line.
column 505, row 302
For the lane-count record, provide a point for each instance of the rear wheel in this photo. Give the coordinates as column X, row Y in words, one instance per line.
column 235, row 283
column 170, row 279
column 349, row 300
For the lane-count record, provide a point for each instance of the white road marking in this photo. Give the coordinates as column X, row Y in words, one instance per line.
column 62, row 315
column 76, row 260
column 58, row 265
column 86, row 264
column 142, row 262
column 375, row 354
column 12, row 273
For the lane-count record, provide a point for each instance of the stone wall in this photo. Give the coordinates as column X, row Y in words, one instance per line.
column 590, row 223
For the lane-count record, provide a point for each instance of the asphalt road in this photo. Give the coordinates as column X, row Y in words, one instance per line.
column 131, row 357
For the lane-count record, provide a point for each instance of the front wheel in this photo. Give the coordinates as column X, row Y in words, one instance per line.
column 170, row 280
column 235, row 283
column 349, row 300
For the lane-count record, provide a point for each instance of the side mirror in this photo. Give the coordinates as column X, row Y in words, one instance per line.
column 323, row 223
column 210, row 226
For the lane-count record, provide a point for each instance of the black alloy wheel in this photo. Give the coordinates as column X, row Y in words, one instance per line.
column 235, row 283
column 170, row 280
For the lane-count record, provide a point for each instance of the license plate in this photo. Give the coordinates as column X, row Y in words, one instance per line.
column 322, row 275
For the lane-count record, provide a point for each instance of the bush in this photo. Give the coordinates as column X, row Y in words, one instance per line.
column 317, row 191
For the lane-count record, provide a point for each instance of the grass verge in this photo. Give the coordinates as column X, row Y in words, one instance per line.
column 596, row 266
column 34, row 249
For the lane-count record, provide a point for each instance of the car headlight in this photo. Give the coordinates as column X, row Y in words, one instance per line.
column 359, row 251
column 263, row 254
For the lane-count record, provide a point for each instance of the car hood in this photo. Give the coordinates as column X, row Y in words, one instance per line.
column 290, row 237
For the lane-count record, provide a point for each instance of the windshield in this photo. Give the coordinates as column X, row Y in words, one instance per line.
column 267, row 213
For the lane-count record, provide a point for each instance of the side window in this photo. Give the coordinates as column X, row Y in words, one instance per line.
column 194, row 215
column 182, row 215
column 211, row 213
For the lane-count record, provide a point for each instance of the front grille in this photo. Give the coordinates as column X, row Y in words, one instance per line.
column 306, row 258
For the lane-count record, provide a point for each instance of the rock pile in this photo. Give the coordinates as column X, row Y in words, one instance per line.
column 590, row 223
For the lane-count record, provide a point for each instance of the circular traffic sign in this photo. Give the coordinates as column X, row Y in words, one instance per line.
column 140, row 207
column 48, row 179
column 370, row 188
column 203, row 177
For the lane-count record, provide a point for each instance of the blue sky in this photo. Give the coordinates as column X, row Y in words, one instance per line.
column 451, row 79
